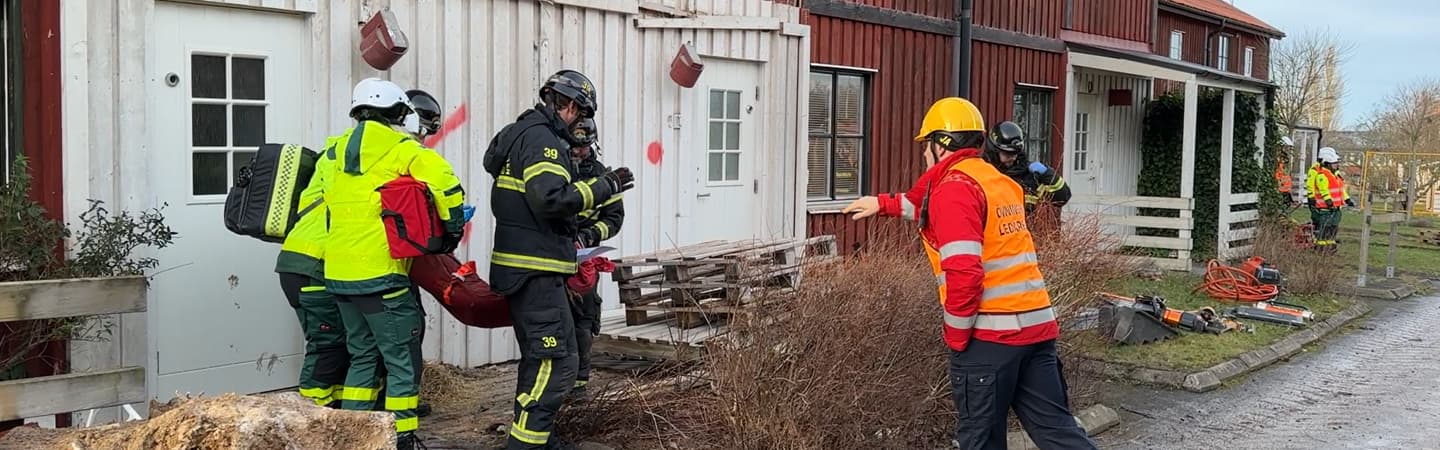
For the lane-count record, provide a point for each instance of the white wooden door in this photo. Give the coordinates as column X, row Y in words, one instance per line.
column 224, row 81
column 1081, row 165
column 726, row 188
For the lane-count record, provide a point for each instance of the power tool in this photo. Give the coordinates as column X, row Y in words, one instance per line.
column 1146, row 319
column 1263, row 271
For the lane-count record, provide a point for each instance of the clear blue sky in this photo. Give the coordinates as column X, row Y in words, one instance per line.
column 1396, row 41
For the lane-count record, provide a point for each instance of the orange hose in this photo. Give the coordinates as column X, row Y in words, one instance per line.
column 1228, row 283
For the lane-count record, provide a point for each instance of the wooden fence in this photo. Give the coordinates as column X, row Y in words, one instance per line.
column 58, row 299
column 1117, row 214
column 1238, row 229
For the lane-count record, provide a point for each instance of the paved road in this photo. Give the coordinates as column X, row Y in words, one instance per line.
column 1376, row 387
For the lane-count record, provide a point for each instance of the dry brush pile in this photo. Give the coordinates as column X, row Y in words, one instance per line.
column 854, row 359
column 1307, row 272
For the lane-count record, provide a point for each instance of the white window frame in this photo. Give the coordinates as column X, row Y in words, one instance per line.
column 1249, row 61
column 1222, row 53
column 1080, row 155
column 229, row 149
column 1177, row 44
column 724, row 152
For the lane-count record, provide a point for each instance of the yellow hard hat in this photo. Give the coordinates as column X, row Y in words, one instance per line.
column 952, row 114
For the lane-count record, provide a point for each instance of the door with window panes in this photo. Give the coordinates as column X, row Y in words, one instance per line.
column 726, row 188
column 218, row 318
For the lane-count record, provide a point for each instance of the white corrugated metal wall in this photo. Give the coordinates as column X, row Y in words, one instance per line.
column 490, row 55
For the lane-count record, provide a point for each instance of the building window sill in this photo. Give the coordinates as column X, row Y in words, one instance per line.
column 827, row 206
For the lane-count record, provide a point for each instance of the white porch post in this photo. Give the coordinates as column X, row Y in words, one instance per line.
column 1227, row 164
column 1187, row 159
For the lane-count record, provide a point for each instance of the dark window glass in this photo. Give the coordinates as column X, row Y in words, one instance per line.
column 208, row 173
column 207, row 76
column 249, row 125
column 247, row 78
column 207, row 125
column 839, row 134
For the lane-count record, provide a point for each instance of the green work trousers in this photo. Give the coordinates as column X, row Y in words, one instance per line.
column 1327, row 225
column 384, row 330
column 326, row 359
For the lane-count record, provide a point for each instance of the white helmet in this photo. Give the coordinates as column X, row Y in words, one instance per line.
column 1285, row 140
column 1329, row 155
column 377, row 93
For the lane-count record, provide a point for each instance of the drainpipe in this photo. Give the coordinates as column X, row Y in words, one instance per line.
column 966, row 10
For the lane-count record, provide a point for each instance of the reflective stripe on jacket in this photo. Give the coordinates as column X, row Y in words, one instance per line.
column 605, row 218
column 357, row 253
column 1326, row 188
column 983, row 258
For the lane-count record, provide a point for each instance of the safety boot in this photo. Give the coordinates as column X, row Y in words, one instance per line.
column 423, row 409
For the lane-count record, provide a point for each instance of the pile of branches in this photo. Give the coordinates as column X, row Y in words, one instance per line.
column 853, row 359
column 1307, row 272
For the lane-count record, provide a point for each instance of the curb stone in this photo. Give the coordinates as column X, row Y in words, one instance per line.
column 1094, row 420
column 1379, row 290
column 1211, row 378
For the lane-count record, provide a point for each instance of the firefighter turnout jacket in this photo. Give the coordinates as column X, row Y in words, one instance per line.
column 359, row 161
column 536, row 198
column 973, row 228
column 1049, row 187
column 1326, row 189
column 605, row 219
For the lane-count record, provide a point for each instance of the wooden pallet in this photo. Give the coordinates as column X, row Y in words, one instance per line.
column 726, row 270
column 658, row 340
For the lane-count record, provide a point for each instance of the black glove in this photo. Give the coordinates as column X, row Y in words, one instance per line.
column 450, row 242
column 588, row 238
column 1350, row 203
column 620, row 179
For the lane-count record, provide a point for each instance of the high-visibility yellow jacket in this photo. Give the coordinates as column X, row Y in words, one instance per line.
column 1327, row 189
column 356, row 251
column 303, row 252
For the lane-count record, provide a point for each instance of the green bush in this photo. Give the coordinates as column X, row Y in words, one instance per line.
column 1161, row 163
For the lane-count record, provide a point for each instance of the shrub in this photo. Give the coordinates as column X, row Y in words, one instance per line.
column 854, row 359
column 105, row 245
column 1306, row 272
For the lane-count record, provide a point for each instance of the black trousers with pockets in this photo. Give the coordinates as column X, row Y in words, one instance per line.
column 989, row 379
column 545, row 330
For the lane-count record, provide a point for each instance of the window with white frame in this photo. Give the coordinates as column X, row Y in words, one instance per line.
column 1177, row 44
column 1033, row 111
column 1081, row 156
column 724, row 143
column 1249, row 61
column 227, row 118
column 1222, row 54
column 839, row 134
column 9, row 107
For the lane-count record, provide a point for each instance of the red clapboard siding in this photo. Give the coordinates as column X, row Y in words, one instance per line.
column 1034, row 17
column 1121, row 19
column 996, row 71
column 40, row 64
column 1196, row 34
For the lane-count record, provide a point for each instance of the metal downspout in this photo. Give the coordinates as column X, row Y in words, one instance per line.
column 963, row 47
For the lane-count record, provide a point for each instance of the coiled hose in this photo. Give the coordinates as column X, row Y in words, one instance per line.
column 1229, row 283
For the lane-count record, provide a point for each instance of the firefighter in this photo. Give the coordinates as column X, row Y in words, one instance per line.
column 596, row 225
column 376, row 298
column 1006, row 151
column 535, row 200
column 1327, row 197
column 997, row 317
column 301, row 268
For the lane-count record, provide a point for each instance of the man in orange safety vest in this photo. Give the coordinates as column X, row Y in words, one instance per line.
column 998, row 320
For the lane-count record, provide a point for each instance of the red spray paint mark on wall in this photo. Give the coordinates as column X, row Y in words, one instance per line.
column 451, row 124
column 654, row 152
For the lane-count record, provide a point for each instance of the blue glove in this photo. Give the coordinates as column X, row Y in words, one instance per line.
column 469, row 212
column 1038, row 168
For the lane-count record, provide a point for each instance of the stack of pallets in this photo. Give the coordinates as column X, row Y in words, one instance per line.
column 700, row 283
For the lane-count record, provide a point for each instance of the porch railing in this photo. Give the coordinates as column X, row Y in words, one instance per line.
column 1119, row 216
column 1238, row 229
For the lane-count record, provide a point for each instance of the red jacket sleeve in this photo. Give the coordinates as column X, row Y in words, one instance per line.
column 957, row 228
column 905, row 205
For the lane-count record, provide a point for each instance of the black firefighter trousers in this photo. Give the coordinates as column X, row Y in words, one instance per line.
column 989, row 379
column 545, row 331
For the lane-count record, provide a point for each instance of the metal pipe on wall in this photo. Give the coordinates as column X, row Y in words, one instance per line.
column 965, row 10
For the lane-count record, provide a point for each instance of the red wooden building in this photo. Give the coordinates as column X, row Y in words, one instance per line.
column 1075, row 74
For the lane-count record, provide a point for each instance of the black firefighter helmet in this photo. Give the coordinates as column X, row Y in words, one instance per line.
column 574, row 86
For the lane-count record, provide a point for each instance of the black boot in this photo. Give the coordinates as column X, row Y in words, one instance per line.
column 405, row 441
column 422, row 410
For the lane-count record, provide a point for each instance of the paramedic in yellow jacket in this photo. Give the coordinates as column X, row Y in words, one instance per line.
column 382, row 317
column 302, row 278
column 1326, row 195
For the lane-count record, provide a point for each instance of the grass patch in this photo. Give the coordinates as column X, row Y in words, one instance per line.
column 1414, row 257
column 1195, row 351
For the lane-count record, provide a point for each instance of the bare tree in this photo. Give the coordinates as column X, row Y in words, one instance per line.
column 1306, row 72
column 1408, row 121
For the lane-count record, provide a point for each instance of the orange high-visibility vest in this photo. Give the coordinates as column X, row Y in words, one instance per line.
column 1327, row 188
column 1014, row 303
column 1283, row 179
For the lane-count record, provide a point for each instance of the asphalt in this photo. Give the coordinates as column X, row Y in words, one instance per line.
column 1377, row 386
